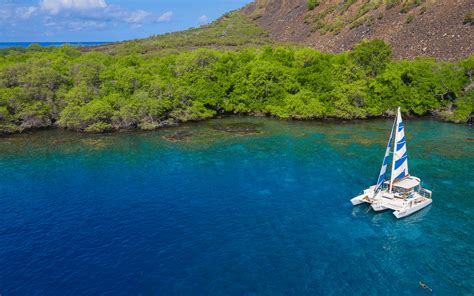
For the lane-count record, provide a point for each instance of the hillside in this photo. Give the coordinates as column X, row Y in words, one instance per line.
column 443, row 29
column 232, row 30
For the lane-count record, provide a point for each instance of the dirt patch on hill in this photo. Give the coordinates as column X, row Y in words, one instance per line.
column 433, row 28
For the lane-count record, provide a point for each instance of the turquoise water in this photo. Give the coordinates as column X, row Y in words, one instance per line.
column 237, row 206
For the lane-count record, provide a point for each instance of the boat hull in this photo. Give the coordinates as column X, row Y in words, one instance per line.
column 360, row 199
column 364, row 197
column 408, row 211
column 377, row 207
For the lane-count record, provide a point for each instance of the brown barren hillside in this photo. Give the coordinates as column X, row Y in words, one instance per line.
column 443, row 29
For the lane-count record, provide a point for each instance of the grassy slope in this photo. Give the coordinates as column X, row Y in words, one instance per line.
column 232, row 30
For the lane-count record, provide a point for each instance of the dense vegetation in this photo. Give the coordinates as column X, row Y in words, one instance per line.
column 95, row 92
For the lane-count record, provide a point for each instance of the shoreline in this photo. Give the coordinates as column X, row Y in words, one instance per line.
column 224, row 116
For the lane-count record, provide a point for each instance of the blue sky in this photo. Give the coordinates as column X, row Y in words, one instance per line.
column 104, row 20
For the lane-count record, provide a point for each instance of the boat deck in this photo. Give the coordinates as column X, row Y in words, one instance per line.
column 398, row 203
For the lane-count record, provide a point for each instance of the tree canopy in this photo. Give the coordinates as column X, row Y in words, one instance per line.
column 95, row 92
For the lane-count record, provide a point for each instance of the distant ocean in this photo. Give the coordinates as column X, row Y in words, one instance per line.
column 26, row 44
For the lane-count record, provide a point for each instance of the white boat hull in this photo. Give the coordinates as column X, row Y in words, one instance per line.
column 366, row 197
column 410, row 210
column 360, row 199
column 377, row 207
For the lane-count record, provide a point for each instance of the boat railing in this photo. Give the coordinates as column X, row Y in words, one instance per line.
column 425, row 193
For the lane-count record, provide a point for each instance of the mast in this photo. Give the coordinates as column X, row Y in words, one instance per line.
column 394, row 151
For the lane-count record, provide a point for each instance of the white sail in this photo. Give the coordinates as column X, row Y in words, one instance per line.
column 383, row 169
column 400, row 158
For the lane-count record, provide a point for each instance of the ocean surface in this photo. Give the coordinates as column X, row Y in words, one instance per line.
column 26, row 44
column 236, row 206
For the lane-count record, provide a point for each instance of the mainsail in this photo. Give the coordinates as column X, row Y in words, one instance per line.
column 400, row 158
column 383, row 169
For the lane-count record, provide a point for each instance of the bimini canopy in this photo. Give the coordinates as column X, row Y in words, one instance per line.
column 407, row 183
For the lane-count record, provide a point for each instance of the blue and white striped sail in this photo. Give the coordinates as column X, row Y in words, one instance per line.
column 383, row 169
column 400, row 158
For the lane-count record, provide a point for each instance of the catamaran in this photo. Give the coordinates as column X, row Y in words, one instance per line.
column 401, row 193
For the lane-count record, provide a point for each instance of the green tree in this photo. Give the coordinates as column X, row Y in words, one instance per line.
column 373, row 56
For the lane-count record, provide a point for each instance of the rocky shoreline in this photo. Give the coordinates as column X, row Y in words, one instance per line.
column 230, row 128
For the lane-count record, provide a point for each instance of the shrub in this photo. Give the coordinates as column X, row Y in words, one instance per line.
column 392, row 3
column 99, row 127
column 469, row 18
column 409, row 5
column 312, row 4
column 372, row 55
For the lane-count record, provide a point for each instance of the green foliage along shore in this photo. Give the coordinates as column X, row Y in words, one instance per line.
column 96, row 92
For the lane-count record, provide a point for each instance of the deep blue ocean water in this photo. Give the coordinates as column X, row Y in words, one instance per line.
column 238, row 206
column 26, row 44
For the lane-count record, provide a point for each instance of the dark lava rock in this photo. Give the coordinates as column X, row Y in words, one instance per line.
column 178, row 136
column 239, row 128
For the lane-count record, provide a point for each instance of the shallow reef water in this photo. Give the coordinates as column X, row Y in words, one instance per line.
column 232, row 206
